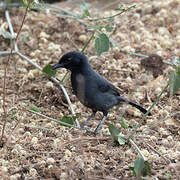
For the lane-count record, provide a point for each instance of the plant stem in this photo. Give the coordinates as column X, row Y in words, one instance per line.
column 92, row 36
column 124, row 10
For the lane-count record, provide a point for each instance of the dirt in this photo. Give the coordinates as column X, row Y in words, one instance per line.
column 37, row 148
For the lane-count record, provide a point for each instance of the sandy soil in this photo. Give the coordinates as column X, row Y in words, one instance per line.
column 40, row 149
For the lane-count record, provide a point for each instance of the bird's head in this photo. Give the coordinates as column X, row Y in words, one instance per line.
column 72, row 61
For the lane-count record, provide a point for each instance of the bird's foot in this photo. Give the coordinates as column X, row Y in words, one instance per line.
column 83, row 125
column 96, row 131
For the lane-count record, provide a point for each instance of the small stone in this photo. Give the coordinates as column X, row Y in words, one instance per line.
column 33, row 172
column 49, row 85
column 56, row 143
column 33, row 73
column 34, row 140
column 178, row 146
column 83, row 38
column 162, row 149
column 50, row 161
column 153, row 138
column 128, row 49
column 145, row 153
column 27, row 134
column 44, row 35
column 68, row 153
column 165, row 142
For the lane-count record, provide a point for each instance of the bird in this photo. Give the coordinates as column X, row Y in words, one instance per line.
column 92, row 90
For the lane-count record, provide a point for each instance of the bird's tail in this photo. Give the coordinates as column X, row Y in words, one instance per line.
column 143, row 110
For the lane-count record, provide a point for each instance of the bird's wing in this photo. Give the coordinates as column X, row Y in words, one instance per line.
column 105, row 86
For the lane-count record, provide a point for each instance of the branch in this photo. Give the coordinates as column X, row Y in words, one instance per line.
column 124, row 10
column 136, row 147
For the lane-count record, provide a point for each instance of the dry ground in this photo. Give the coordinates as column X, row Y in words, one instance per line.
column 40, row 149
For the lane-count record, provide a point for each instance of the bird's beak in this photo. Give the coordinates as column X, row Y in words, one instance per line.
column 56, row 66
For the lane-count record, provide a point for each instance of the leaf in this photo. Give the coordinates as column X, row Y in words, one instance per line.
column 109, row 28
column 6, row 34
column 124, row 123
column 176, row 61
column 114, row 131
column 35, row 108
column 86, row 13
column 115, row 134
column 96, row 27
column 140, row 168
column 48, row 70
column 176, row 86
column 85, row 9
column 111, row 19
column 147, row 169
column 174, row 82
column 69, row 120
column 101, row 44
column 121, row 140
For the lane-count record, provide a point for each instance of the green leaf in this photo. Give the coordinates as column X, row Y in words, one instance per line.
column 48, row 70
column 124, row 123
column 176, row 61
column 109, row 28
column 25, row 2
column 101, row 44
column 176, row 86
column 96, row 27
column 115, row 134
column 85, row 9
column 6, row 34
column 114, row 131
column 69, row 120
column 111, row 19
column 85, row 13
column 140, row 168
column 147, row 169
column 121, row 140
column 35, row 108
column 174, row 82
column 171, row 81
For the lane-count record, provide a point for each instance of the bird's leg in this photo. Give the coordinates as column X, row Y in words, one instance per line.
column 91, row 116
column 101, row 122
column 99, row 125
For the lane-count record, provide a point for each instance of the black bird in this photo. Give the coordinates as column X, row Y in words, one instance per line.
column 90, row 87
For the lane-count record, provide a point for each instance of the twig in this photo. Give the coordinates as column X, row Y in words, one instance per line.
column 11, row 29
column 167, row 160
column 7, row 52
column 52, row 119
column 161, row 120
column 12, row 131
column 58, row 121
column 92, row 36
column 136, row 147
column 118, row 14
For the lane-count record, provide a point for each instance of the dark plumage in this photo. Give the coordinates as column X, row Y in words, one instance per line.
column 90, row 87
